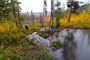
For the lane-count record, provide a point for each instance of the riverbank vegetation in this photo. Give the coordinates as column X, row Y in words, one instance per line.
column 14, row 28
column 81, row 20
column 57, row 44
column 15, row 46
column 44, row 35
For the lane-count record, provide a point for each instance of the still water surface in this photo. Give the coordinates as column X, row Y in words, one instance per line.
column 76, row 44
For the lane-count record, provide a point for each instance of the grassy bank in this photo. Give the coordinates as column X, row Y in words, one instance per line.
column 81, row 20
column 15, row 46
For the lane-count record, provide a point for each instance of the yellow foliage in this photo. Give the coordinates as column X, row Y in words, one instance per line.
column 16, row 36
column 14, row 28
column 35, row 29
column 8, row 58
column 5, row 27
column 77, row 21
column 2, row 29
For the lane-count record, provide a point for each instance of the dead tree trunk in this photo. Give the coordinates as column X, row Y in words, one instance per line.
column 52, row 13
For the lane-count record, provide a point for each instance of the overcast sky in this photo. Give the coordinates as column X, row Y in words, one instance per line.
column 37, row 5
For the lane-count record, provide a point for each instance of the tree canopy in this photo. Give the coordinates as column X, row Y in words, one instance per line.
column 73, row 4
column 8, row 7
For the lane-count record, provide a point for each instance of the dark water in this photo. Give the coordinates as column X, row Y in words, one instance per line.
column 76, row 44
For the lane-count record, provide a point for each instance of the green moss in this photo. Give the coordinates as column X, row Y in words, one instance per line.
column 57, row 44
column 44, row 35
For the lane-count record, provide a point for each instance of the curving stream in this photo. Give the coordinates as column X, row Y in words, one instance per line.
column 76, row 44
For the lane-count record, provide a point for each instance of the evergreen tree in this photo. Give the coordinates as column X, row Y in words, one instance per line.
column 8, row 7
column 3, row 8
column 74, row 5
column 15, row 8
column 58, row 14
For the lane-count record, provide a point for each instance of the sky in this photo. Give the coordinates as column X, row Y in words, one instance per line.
column 37, row 5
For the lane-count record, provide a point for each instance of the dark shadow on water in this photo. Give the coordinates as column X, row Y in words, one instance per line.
column 69, row 47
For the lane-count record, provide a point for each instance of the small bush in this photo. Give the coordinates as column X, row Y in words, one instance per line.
column 57, row 22
column 57, row 44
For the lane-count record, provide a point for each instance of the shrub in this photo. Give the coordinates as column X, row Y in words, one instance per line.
column 15, row 46
column 57, row 44
column 57, row 22
column 2, row 29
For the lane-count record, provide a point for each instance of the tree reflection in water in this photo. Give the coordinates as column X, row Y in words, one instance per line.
column 69, row 47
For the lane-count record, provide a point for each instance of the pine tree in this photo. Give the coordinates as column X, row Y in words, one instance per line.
column 8, row 7
column 15, row 8
column 58, row 14
column 3, row 8
column 73, row 4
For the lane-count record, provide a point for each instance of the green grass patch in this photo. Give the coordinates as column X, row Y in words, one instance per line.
column 57, row 44
column 44, row 35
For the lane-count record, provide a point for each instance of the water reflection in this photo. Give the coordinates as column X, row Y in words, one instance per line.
column 76, row 44
column 83, row 48
column 69, row 47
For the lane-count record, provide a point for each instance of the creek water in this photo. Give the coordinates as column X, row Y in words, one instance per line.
column 76, row 44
